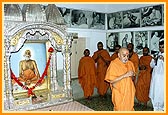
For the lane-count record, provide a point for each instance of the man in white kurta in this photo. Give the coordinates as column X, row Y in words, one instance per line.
column 156, row 93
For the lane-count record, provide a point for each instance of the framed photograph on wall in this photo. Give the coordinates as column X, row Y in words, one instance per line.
column 114, row 20
column 140, row 41
column 151, row 16
column 98, row 21
column 79, row 19
column 163, row 15
column 125, row 38
column 155, row 36
column 19, row 63
column 66, row 14
column 111, row 41
column 131, row 18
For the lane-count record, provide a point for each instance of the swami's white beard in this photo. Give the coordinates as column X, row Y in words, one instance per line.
column 27, row 58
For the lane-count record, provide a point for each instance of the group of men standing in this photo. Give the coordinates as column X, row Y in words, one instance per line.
column 127, row 75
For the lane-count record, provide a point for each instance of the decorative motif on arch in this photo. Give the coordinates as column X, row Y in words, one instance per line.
column 15, row 39
column 57, row 38
column 52, row 33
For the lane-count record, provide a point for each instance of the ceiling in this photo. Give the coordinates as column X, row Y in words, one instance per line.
column 103, row 8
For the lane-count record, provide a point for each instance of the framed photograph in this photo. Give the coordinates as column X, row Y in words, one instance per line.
column 79, row 19
column 36, row 63
column 163, row 15
column 66, row 14
column 151, row 16
column 114, row 20
column 111, row 41
column 125, row 38
column 155, row 36
column 98, row 21
column 87, row 19
column 140, row 41
column 131, row 18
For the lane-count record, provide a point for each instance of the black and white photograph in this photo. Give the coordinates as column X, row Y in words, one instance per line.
column 140, row 41
column 98, row 21
column 111, row 41
column 151, row 16
column 87, row 19
column 163, row 15
column 114, row 20
column 131, row 18
column 66, row 14
column 156, row 36
column 79, row 19
column 125, row 38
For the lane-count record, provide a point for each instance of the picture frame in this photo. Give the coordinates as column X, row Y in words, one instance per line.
column 111, row 41
column 66, row 14
column 151, row 16
column 125, row 38
column 40, row 56
column 87, row 19
column 155, row 37
column 131, row 18
column 114, row 20
column 140, row 41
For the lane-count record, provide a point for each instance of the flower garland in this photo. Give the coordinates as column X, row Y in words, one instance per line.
column 30, row 90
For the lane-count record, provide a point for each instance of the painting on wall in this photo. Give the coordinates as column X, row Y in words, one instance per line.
column 114, row 20
column 140, row 41
column 131, row 18
column 155, row 37
column 125, row 38
column 111, row 41
column 151, row 16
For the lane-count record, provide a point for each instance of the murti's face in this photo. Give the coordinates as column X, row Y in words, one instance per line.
column 124, row 56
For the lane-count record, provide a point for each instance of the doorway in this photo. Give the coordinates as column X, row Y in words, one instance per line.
column 78, row 46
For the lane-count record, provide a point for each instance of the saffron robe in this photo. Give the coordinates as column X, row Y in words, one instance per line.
column 114, row 56
column 87, row 75
column 101, row 68
column 135, row 60
column 28, row 77
column 144, row 78
column 124, row 91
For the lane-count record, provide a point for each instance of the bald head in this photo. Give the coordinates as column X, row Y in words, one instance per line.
column 123, row 54
column 123, row 50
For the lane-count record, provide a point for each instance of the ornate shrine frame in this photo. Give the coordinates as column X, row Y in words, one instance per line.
column 15, row 36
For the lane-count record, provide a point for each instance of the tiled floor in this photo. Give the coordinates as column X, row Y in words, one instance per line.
column 97, row 103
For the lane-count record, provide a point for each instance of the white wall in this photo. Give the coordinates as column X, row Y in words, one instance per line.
column 92, row 37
